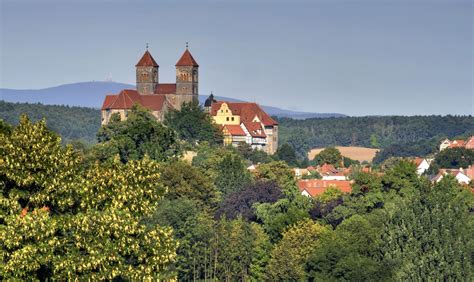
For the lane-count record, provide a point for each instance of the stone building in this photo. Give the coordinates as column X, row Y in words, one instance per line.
column 150, row 93
column 244, row 123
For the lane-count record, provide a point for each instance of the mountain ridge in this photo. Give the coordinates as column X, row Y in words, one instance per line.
column 91, row 94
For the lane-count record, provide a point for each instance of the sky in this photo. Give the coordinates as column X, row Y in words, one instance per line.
column 356, row 57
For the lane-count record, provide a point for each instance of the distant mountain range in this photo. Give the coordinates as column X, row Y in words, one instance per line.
column 91, row 94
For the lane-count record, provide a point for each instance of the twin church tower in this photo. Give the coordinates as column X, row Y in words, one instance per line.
column 150, row 93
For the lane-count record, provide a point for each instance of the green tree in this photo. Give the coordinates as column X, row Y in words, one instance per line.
column 277, row 171
column 374, row 143
column 349, row 254
column 428, row 234
column 140, row 134
column 184, row 180
column 232, row 174
column 286, row 153
column 60, row 220
column 277, row 216
column 454, row 158
column 193, row 125
column 289, row 257
column 330, row 155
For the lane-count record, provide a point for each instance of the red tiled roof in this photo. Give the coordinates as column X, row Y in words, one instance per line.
column 457, row 144
column 147, row 61
column 469, row 172
column 246, row 111
column 165, row 88
column 127, row 98
column 235, row 130
column 255, row 129
column 418, row 161
column 187, row 60
column 108, row 100
column 327, row 169
column 316, row 187
column 470, row 143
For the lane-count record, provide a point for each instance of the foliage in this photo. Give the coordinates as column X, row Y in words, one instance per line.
column 350, row 254
column 72, row 123
column 254, row 156
column 277, row 171
column 118, row 211
column 291, row 253
column 286, row 153
column 454, row 158
column 60, row 220
column 241, row 202
column 329, row 155
column 232, row 174
column 408, row 149
column 185, row 180
column 277, row 216
column 408, row 131
column 136, row 137
column 193, row 124
column 428, row 235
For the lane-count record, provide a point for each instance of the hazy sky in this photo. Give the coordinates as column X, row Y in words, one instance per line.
column 360, row 57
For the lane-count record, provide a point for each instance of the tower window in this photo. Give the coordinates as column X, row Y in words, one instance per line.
column 232, row 118
column 227, row 118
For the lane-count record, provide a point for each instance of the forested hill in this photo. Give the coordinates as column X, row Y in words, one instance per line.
column 72, row 123
column 401, row 136
column 417, row 135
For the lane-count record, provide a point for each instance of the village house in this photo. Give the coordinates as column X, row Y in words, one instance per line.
column 422, row 165
column 315, row 187
column 463, row 176
column 244, row 122
column 469, row 144
column 149, row 93
column 329, row 172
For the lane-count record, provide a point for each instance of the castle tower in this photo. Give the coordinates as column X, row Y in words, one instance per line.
column 147, row 74
column 187, row 76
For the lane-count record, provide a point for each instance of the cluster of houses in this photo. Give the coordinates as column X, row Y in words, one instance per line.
column 469, row 144
column 338, row 177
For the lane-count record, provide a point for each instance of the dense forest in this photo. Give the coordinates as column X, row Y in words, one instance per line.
column 129, row 208
column 72, row 123
column 397, row 136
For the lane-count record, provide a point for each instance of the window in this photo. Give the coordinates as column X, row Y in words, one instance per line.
column 227, row 118
column 232, row 118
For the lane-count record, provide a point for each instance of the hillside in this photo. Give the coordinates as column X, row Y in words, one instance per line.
column 72, row 123
column 397, row 135
column 91, row 94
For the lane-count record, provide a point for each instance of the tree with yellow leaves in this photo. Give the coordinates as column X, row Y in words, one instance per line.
column 61, row 220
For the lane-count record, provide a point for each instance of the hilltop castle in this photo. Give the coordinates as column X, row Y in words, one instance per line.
column 240, row 122
column 157, row 97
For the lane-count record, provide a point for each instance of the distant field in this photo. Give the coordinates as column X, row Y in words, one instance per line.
column 355, row 153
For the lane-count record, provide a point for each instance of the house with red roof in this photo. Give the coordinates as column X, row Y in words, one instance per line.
column 244, row 122
column 422, row 165
column 153, row 95
column 463, row 176
column 316, row 187
column 459, row 143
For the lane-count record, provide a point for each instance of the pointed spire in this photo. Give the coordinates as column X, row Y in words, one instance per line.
column 147, row 60
column 187, row 59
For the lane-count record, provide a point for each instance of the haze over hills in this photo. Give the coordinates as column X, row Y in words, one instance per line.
column 91, row 94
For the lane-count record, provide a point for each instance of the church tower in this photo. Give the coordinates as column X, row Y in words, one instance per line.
column 187, row 77
column 147, row 74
